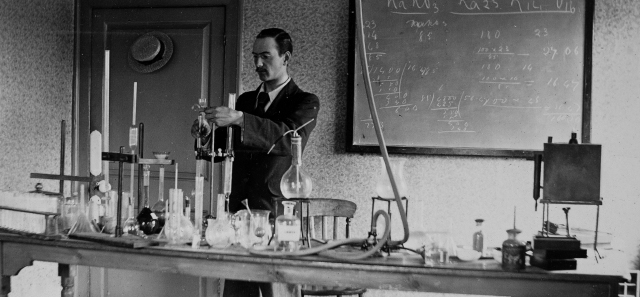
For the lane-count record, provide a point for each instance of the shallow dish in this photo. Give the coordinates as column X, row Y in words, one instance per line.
column 468, row 254
column 497, row 254
column 161, row 155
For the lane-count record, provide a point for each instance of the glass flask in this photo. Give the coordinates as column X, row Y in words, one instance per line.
column 288, row 229
column 478, row 237
column 130, row 225
column 219, row 233
column 147, row 220
column 383, row 186
column 295, row 183
column 160, row 206
column 177, row 228
column 513, row 252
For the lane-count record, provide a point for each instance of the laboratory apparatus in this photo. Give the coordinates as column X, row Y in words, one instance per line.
column 571, row 176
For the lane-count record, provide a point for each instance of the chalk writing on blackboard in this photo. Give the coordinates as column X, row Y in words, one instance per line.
column 490, row 74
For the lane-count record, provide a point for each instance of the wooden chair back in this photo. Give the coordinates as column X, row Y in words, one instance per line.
column 330, row 210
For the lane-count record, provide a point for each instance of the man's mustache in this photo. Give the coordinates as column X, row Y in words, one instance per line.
column 261, row 70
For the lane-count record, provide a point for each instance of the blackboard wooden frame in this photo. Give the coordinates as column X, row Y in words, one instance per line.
column 464, row 151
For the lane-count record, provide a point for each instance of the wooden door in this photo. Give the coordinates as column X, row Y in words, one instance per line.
column 204, row 64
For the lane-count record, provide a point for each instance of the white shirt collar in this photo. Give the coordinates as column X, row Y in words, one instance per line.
column 273, row 94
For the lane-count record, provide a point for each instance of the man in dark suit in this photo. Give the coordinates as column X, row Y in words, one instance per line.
column 260, row 118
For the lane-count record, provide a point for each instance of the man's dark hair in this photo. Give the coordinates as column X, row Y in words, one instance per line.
column 282, row 38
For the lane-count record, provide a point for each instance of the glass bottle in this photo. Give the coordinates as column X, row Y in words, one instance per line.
column 478, row 237
column 574, row 139
column 513, row 252
column 288, row 229
column 295, row 183
column 147, row 220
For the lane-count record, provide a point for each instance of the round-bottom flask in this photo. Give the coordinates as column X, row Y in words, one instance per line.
column 219, row 233
column 130, row 226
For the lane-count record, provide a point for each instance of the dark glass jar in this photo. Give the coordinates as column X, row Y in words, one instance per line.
column 513, row 252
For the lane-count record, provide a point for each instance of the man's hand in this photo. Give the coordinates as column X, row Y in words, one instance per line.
column 205, row 129
column 223, row 116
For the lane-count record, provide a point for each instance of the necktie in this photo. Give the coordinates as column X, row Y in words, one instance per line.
column 263, row 99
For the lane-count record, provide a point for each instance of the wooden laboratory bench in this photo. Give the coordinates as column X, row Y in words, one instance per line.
column 402, row 272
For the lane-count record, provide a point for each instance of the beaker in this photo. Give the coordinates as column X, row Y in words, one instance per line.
column 260, row 228
column 383, row 186
column 240, row 222
column 439, row 247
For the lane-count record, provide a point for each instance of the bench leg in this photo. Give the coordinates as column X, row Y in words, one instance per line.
column 5, row 286
column 67, row 275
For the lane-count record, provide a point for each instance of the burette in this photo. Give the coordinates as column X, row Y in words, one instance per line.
column 133, row 138
column 384, row 240
column 228, row 160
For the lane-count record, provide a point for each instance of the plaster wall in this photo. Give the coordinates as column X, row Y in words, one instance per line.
column 36, row 71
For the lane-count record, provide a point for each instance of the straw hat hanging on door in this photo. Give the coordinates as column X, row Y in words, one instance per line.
column 150, row 52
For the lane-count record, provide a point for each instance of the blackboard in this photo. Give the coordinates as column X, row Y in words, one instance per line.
column 471, row 77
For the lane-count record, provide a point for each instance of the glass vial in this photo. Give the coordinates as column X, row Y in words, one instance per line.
column 478, row 237
column 513, row 252
column 288, row 229
column 296, row 183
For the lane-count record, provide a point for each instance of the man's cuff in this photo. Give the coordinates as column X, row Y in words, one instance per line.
column 241, row 125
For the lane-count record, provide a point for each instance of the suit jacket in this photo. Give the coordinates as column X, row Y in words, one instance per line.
column 256, row 175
